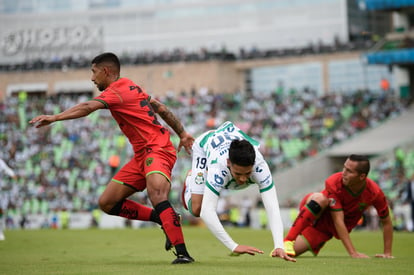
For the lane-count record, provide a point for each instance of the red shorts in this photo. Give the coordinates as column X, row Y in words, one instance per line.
column 316, row 239
column 147, row 162
column 319, row 233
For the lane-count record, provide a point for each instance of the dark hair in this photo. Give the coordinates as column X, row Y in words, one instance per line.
column 242, row 153
column 110, row 58
column 363, row 163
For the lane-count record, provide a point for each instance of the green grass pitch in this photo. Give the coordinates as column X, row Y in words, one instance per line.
column 141, row 251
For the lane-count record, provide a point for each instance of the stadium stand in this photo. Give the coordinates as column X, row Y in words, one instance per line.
column 180, row 55
column 64, row 167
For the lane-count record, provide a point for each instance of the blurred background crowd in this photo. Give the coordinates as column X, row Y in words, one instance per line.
column 67, row 166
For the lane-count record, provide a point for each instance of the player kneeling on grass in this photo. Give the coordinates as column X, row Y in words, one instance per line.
column 226, row 158
column 336, row 210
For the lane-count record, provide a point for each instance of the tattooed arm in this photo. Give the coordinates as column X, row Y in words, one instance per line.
column 186, row 140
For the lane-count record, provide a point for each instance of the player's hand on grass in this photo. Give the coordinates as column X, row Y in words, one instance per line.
column 42, row 120
column 358, row 255
column 279, row 252
column 384, row 256
column 186, row 141
column 244, row 249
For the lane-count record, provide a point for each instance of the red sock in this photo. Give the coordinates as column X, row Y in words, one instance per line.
column 304, row 219
column 135, row 211
column 170, row 222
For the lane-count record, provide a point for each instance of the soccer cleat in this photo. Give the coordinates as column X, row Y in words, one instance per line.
column 289, row 248
column 182, row 259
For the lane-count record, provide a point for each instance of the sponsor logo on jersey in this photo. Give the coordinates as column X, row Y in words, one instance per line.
column 218, row 180
column 223, row 152
column 332, row 202
column 266, row 180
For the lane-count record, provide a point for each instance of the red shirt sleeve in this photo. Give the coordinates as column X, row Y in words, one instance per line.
column 332, row 187
column 380, row 202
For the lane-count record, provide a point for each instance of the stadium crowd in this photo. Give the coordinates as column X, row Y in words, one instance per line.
column 179, row 55
column 395, row 175
column 62, row 167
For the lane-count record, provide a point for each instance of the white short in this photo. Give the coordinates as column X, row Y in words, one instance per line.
column 196, row 177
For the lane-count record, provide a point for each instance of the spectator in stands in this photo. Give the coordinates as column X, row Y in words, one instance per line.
column 385, row 84
column 154, row 158
column 409, row 198
column 407, row 42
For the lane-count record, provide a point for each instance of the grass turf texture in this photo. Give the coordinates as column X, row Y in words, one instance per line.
column 132, row 251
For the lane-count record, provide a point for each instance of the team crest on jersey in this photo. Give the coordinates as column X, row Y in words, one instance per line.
column 332, row 202
column 149, row 161
column 199, row 179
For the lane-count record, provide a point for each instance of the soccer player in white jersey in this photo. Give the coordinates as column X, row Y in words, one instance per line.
column 3, row 202
column 227, row 158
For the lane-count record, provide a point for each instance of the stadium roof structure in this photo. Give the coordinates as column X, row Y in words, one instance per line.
column 386, row 4
column 399, row 56
column 398, row 46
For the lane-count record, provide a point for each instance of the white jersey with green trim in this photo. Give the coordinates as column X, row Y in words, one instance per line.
column 215, row 146
column 209, row 169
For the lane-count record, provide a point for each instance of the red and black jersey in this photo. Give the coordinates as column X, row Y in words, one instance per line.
column 130, row 106
column 342, row 198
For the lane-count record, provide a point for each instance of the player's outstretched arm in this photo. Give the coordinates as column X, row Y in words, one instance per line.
column 271, row 204
column 338, row 219
column 186, row 140
column 208, row 214
column 388, row 231
column 77, row 111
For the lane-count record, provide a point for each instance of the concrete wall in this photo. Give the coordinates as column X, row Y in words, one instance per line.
column 157, row 79
column 307, row 176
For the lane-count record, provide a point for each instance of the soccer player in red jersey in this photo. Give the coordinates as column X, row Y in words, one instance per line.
column 336, row 210
column 154, row 154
